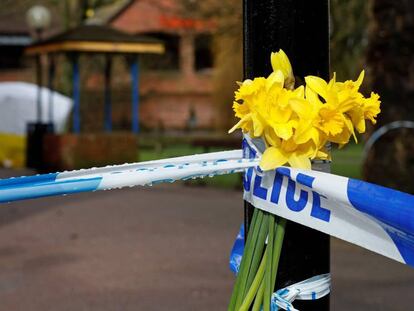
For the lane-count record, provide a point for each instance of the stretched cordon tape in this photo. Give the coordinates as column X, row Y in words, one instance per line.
column 127, row 175
column 374, row 217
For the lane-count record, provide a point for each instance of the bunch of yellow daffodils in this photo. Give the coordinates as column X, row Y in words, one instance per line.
column 297, row 123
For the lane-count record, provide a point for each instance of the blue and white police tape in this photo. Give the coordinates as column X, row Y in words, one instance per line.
column 371, row 216
column 237, row 251
column 127, row 175
column 374, row 217
column 310, row 289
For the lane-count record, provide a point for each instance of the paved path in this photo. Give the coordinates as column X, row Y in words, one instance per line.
column 156, row 248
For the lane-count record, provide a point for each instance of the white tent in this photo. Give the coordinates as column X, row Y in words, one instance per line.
column 18, row 107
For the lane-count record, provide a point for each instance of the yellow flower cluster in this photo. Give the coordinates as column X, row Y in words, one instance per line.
column 297, row 123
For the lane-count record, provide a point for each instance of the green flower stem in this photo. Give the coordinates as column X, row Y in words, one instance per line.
column 249, row 252
column 257, row 305
column 257, row 274
column 277, row 249
column 268, row 290
column 258, row 279
column 258, row 251
column 244, row 263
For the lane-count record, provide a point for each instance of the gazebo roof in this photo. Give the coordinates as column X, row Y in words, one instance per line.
column 97, row 39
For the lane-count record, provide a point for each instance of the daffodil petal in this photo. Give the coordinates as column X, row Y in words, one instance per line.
column 239, row 124
column 322, row 155
column 350, row 127
column 318, row 85
column 280, row 61
column 299, row 91
column 306, row 133
column 270, row 136
column 302, row 108
column 332, row 81
column 311, row 96
column 283, row 130
column 272, row 158
column 358, row 82
column 301, row 161
column 258, row 125
column 276, row 78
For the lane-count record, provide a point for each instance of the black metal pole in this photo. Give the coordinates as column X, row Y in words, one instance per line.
column 301, row 29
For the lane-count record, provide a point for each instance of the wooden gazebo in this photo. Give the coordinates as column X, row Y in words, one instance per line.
column 96, row 39
column 46, row 151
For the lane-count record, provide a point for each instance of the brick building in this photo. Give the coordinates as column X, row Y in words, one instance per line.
column 175, row 88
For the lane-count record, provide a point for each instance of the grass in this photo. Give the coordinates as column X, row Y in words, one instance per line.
column 345, row 162
column 348, row 161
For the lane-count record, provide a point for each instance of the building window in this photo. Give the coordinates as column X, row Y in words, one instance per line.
column 167, row 61
column 203, row 52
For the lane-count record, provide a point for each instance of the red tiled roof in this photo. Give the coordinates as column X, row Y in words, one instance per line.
column 142, row 16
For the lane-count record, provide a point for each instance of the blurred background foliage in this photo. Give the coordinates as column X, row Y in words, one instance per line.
column 391, row 66
column 349, row 37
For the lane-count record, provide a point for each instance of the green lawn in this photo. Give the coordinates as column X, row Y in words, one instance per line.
column 345, row 162
column 168, row 152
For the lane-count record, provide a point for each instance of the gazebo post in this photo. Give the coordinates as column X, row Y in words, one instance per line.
column 107, row 91
column 134, row 67
column 301, row 29
column 39, row 83
column 50, row 84
column 76, row 93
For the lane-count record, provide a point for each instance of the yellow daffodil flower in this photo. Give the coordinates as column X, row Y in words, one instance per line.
column 371, row 107
column 296, row 124
column 264, row 103
column 280, row 61
column 288, row 152
column 308, row 113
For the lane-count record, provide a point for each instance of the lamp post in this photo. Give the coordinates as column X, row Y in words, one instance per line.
column 38, row 19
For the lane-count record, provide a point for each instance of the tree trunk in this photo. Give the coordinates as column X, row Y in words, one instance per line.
column 391, row 68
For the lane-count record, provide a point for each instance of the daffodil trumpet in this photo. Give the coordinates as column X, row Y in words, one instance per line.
column 296, row 125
